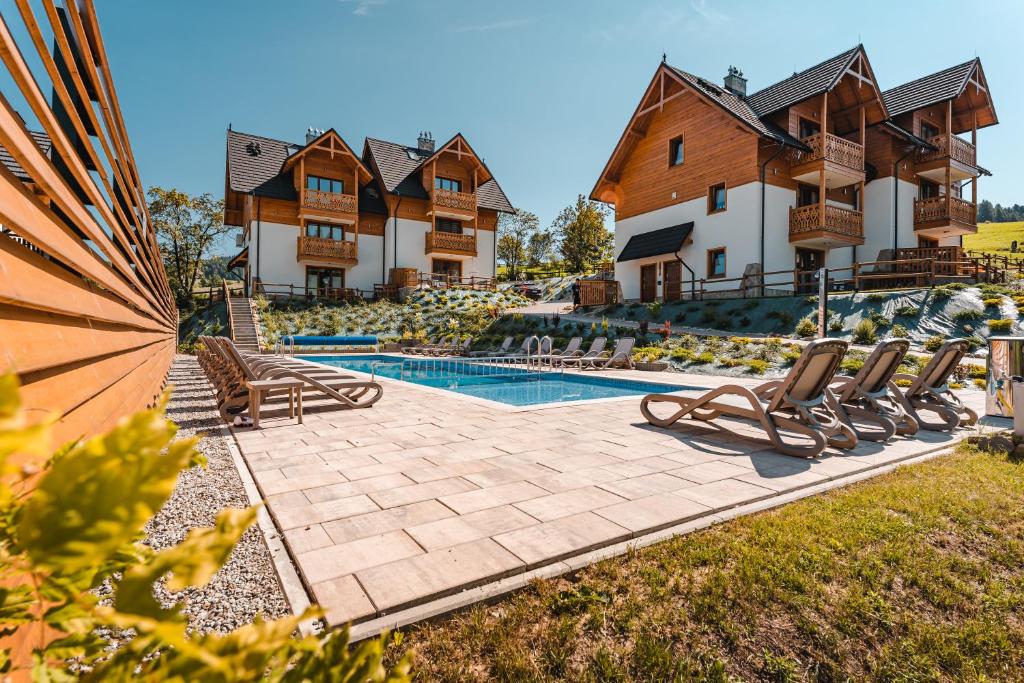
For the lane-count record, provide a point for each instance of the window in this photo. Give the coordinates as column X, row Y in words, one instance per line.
column 716, row 263
column 806, row 195
column 675, row 151
column 324, row 281
column 716, row 198
column 808, row 128
column 928, row 130
column 448, row 184
column 928, row 189
column 314, row 182
column 325, row 231
column 448, row 225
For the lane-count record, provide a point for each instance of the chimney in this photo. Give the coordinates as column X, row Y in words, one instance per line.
column 425, row 142
column 312, row 134
column 735, row 82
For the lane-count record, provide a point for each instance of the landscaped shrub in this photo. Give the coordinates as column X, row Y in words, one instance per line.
column 879, row 319
column 851, row 365
column 681, row 354
column 907, row 311
column 811, row 300
column 1000, row 326
column 654, row 308
column 967, row 315
column 899, row 331
column 790, row 355
column 756, row 365
column 688, row 341
column 806, row 327
column 942, row 292
column 980, row 383
column 875, row 297
column 994, row 302
column 680, row 317
column 704, row 358
column 933, row 343
column 865, row 332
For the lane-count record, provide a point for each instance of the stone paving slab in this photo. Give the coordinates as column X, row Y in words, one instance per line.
column 430, row 494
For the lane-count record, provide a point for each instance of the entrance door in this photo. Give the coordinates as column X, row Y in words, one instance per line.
column 672, row 276
column 447, row 270
column 808, row 261
column 649, row 283
column 325, row 282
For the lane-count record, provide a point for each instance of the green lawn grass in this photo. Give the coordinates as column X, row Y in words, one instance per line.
column 996, row 238
column 917, row 575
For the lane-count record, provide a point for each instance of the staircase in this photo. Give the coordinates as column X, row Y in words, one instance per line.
column 243, row 327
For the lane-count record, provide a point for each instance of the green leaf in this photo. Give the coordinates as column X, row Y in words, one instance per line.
column 97, row 497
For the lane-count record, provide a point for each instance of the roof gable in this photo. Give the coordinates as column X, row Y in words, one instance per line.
column 948, row 84
column 331, row 142
column 813, row 81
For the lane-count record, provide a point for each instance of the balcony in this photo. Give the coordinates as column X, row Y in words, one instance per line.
column 933, row 217
column 950, row 151
column 451, row 204
column 336, row 207
column 327, row 251
column 841, row 159
column 840, row 228
column 438, row 242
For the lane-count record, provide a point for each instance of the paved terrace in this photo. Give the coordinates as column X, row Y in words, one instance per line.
column 429, row 493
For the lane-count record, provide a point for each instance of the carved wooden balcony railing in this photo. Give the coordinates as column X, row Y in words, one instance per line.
column 328, row 201
column 934, row 209
column 450, row 243
column 806, row 219
column 465, row 201
column 952, row 146
column 322, row 249
column 831, row 148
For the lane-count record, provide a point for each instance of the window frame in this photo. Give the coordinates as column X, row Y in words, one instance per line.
column 320, row 180
column 455, row 185
column 801, row 122
column 330, row 228
column 711, row 198
column 711, row 260
column 672, row 146
column 932, row 126
column 449, row 223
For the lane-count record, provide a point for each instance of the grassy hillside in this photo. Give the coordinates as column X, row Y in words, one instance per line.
column 996, row 237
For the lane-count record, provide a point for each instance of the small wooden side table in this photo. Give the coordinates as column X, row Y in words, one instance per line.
column 259, row 387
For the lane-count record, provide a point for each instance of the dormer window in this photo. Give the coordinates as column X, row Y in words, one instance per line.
column 324, row 184
column 928, row 131
column 449, row 184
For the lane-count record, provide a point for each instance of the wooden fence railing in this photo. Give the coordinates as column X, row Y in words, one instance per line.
column 88, row 318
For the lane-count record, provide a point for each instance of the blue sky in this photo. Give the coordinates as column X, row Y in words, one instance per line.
column 542, row 90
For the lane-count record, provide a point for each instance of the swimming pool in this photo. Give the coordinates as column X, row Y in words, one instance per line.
column 516, row 386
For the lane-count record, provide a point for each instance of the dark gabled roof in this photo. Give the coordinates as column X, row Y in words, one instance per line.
column 656, row 242
column 906, row 135
column 396, row 165
column 239, row 259
column 798, row 87
column 399, row 168
column 254, row 165
column 738, row 107
column 937, row 87
column 44, row 144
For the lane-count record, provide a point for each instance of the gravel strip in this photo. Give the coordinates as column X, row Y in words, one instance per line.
column 247, row 585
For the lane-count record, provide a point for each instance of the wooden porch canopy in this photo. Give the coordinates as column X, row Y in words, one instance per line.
column 460, row 148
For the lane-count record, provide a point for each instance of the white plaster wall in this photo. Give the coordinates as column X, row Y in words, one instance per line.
column 737, row 229
column 367, row 273
column 272, row 254
column 905, row 235
column 878, row 212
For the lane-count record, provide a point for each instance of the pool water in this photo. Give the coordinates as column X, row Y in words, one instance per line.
column 514, row 386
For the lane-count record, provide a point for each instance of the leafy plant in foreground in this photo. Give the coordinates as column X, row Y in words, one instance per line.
column 78, row 524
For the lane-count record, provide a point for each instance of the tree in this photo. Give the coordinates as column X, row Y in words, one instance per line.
column 514, row 231
column 540, row 247
column 186, row 228
column 985, row 211
column 583, row 240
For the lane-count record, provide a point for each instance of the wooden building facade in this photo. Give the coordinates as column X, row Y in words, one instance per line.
column 820, row 169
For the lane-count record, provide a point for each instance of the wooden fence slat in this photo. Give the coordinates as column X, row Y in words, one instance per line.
column 27, row 279
column 33, row 340
column 65, row 388
column 22, row 212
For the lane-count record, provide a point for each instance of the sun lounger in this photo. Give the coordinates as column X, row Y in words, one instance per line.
column 929, row 391
column 571, row 350
column 622, row 356
column 870, row 396
column 496, row 351
column 458, row 349
column 595, row 351
column 797, row 403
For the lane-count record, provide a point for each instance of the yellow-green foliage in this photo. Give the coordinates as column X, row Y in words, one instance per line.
column 994, row 302
column 756, row 366
column 1001, row 325
column 865, row 332
column 81, row 526
column 806, row 328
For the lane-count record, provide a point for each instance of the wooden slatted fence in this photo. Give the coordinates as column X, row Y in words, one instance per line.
column 87, row 317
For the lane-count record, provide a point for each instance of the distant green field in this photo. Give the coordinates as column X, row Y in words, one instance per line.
column 996, row 237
